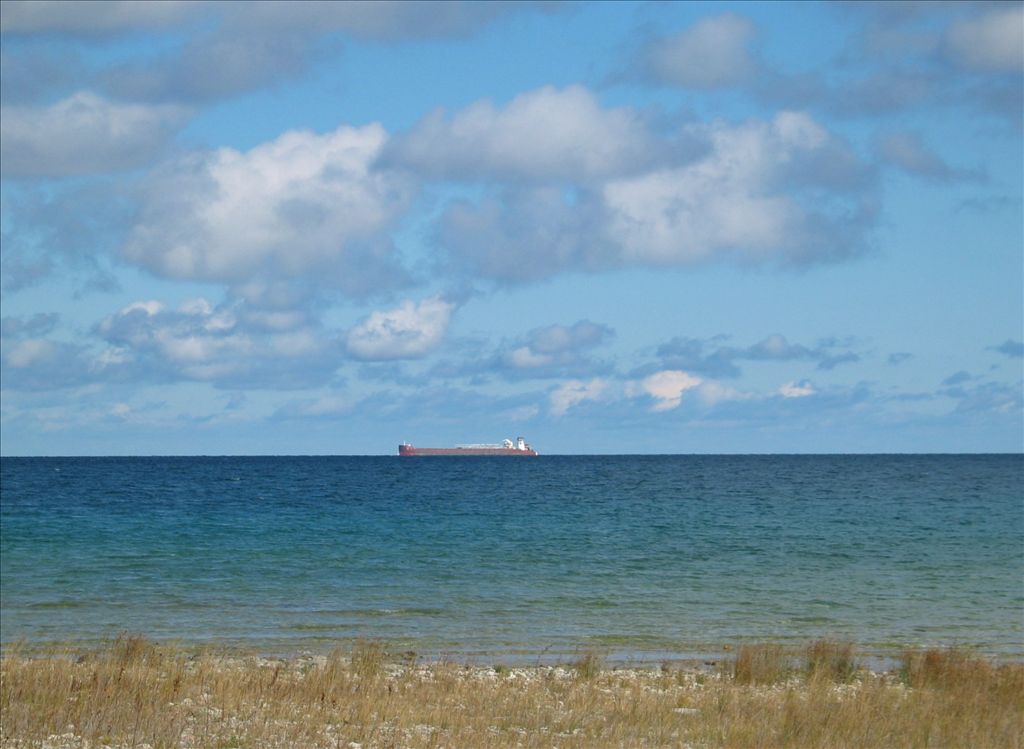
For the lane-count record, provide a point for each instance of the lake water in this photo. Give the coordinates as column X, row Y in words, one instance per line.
column 636, row 556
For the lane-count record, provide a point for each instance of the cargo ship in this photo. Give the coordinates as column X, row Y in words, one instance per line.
column 508, row 447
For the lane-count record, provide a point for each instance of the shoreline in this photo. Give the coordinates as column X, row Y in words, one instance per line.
column 878, row 657
column 136, row 693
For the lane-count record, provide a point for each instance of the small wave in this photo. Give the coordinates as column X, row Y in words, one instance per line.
column 412, row 611
column 317, row 627
column 623, row 639
column 376, row 613
column 66, row 604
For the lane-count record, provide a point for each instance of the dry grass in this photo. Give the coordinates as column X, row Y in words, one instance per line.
column 588, row 665
column 830, row 660
column 764, row 663
column 137, row 693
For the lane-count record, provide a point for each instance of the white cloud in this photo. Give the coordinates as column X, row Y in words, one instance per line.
column 375, row 19
column 556, row 349
column 545, row 134
column 993, row 42
column 800, row 389
column 555, row 339
column 29, row 352
column 785, row 191
column 276, row 320
column 36, row 363
column 214, row 344
column 40, row 323
column 296, row 343
column 301, row 206
column 83, row 134
column 407, row 332
column 197, row 306
column 525, row 358
column 215, row 66
column 91, row 16
column 711, row 53
column 523, row 235
column 189, row 349
column 735, row 199
column 666, row 387
column 908, row 151
column 711, row 357
column 153, row 307
column 573, row 392
column 712, row 393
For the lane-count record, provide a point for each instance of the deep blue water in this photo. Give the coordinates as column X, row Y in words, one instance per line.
column 631, row 554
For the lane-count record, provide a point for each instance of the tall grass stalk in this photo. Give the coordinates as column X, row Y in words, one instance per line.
column 763, row 663
column 830, row 660
column 136, row 693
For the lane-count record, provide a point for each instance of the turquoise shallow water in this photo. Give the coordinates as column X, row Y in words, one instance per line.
column 636, row 555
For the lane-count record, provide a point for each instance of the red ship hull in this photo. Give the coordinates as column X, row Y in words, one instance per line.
column 409, row 450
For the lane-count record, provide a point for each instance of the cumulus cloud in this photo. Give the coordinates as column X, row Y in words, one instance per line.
column 32, row 361
column 35, row 74
column 409, row 331
column 301, row 206
column 551, row 351
column 379, row 19
column 785, row 191
column 215, row 66
column 522, row 235
column 958, row 378
column 227, row 345
column 666, row 388
column 241, row 46
column 712, row 357
column 909, row 56
column 573, row 392
column 25, row 353
column 91, row 16
column 908, row 151
column 712, row 393
column 46, row 229
column 991, row 398
column 541, row 135
column 990, row 42
column 83, row 134
column 800, row 389
column 374, row 19
column 1009, row 347
column 714, row 52
column 777, row 348
column 38, row 324
column 709, row 357
column 735, row 200
column 555, row 350
column 555, row 339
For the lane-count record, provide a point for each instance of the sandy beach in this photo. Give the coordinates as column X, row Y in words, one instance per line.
column 139, row 694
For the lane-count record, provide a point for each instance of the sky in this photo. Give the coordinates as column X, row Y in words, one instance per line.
column 328, row 228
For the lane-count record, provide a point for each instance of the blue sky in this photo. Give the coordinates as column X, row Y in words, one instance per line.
column 326, row 228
